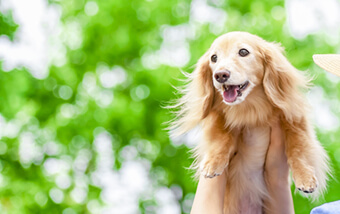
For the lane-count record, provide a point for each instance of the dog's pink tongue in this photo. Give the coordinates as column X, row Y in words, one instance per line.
column 230, row 95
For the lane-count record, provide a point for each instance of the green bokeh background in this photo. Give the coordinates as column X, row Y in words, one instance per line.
column 120, row 34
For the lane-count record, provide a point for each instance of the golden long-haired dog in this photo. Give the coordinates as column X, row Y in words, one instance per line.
column 240, row 85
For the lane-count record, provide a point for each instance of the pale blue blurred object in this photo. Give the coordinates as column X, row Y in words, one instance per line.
column 328, row 208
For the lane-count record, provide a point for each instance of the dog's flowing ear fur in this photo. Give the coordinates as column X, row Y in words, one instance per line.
column 197, row 100
column 283, row 83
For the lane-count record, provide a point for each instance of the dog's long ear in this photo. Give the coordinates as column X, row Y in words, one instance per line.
column 203, row 84
column 282, row 82
column 198, row 98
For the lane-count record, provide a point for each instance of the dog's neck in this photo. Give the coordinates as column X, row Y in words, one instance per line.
column 255, row 110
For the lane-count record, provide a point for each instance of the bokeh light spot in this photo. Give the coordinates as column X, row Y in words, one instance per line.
column 79, row 195
column 65, row 92
column 187, row 202
column 41, row 198
column 140, row 92
column 56, row 195
column 63, row 181
column 3, row 148
column 278, row 13
column 69, row 211
column 110, row 78
column 91, row 8
column 68, row 110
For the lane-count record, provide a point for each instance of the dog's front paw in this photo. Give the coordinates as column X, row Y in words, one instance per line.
column 213, row 166
column 305, row 182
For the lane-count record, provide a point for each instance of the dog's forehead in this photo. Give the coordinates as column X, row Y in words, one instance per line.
column 234, row 40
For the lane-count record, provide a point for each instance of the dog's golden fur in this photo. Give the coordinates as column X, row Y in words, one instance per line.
column 236, row 136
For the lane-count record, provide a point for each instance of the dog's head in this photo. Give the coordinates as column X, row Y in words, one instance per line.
column 236, row 65
column 237, row 62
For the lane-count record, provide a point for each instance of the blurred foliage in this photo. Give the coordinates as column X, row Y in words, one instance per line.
column 7, row 25
column 70, row 107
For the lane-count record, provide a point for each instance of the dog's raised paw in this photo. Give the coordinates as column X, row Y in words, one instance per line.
column 306, row 184
column 212, row 167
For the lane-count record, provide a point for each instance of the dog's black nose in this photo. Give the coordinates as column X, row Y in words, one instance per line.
column 222, row 76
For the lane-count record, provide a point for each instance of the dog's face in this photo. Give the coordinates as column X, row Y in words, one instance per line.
column 236, row 66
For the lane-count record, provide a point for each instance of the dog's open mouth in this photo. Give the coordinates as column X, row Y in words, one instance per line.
column 231, row 92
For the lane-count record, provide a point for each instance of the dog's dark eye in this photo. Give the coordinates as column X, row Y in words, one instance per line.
column 214, row 58
column 243, row 52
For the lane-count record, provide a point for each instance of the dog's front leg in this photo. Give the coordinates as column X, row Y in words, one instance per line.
column 217, row 146
column 299, row 147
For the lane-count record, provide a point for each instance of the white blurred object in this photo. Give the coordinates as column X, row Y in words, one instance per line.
column 56, row 195
column 91, row 8
column 29, row 150
column 37, row 21
column 311, row 16
column 109, row 78
column 167, row 202
column 202, row 13
column 175, row 50
column 54, row 166
column 322, row 114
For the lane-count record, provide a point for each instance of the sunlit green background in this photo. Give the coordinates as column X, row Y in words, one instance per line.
column 82, row 130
